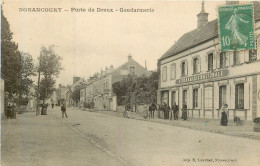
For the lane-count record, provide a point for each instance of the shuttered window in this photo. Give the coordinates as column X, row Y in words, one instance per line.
column 222, row 95
column 236, row 58
column 164, row 73
column 195, row 97
column 208, row 98
column 184, row 97
column 183, row 69
column 239, row 96
column 252, row 55
column 222, row 59
column 210, row 62
column 195, row 65
column 173, row 71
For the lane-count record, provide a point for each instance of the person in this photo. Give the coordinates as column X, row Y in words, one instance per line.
column 150, row 111
column 52, row 105
column 63, row 109
column 127, row 109
column 153, row 109
column 159, row 110
column 176, row 111
column 8, row 111
column 164, row 108
column 224, row 117
column 184, row 112
column 172, row 111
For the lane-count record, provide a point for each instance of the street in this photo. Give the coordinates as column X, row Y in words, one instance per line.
column 89, row 138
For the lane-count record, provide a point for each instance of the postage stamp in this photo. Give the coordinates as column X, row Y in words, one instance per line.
column 236, row 27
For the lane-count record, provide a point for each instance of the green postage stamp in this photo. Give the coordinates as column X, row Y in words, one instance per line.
column 236, row 27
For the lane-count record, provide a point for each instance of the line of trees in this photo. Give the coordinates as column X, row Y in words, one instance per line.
column 18, row 68
column 143, row 88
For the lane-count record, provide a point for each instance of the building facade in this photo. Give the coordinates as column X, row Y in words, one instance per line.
column 195, row 72
column 99, row 89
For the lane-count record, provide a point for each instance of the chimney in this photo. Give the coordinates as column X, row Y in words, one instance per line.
column 202, row 16
column 129, row 57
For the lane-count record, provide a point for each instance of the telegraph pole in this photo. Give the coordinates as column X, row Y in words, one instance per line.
column 38, row 89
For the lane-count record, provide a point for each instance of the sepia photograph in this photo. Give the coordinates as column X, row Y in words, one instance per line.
column 130, row 83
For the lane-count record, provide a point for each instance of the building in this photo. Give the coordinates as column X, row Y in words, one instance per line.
column 195, row 72
column 99, row 88
column 61, row 94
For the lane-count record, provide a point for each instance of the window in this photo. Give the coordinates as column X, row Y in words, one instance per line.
column 173, row 71
column 164, row 73
column 184, row 97
column 210, row 62
column 252, row 55
column 184, row 69
column 208, row 98
column 195, row 98
column 222, row 59
column 132, row 70
column 173, row 97
column 195, row 65
column 222, row 95
column 239, row 101
column 236, row 59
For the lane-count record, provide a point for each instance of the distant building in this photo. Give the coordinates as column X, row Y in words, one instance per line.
column 101, row 88
column 196, row 73
column 61, row 94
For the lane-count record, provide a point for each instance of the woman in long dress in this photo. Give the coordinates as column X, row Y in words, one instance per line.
column 224, row 117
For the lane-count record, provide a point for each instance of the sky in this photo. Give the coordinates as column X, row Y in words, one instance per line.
column 88, row 42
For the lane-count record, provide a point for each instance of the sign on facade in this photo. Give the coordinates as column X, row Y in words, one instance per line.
column 236, row 27
column 205, row 76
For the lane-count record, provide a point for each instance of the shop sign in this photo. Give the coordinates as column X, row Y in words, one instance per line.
column 205, row 76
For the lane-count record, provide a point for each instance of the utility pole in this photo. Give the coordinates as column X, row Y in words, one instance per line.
column 38, row 89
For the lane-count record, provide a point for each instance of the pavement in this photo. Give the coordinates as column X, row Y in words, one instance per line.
column 46, row 140
column 209, row 125
column 105, row 138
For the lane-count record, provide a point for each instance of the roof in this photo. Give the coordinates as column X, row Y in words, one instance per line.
column 200, row 35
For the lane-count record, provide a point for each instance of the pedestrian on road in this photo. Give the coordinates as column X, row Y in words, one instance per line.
column 224, row 117
column 184, row 112
column 176, row 111
column 164, row 108
column 168, row 112
column 159, row 110
column 153, row 109
column 150, row 111
column 63, row 110
column 52, row 105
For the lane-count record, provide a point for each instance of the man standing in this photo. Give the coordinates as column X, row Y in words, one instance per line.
column 176, row 111
column 63, row 110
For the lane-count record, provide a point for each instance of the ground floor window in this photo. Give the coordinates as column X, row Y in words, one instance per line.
column 222, row 95
column 239, row 101
column 184, row 97
column 173, row 97
column 208, row 98
column 165, row 97
column 195, row 97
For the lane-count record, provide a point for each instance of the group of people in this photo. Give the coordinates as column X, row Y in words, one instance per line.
column 169, row 112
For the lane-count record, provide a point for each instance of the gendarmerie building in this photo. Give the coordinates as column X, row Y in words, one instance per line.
column 195, row 72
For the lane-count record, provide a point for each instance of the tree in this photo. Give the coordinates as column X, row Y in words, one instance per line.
column 49, row 66
column 76, row 94
column 144, row 88
column 11, row 63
